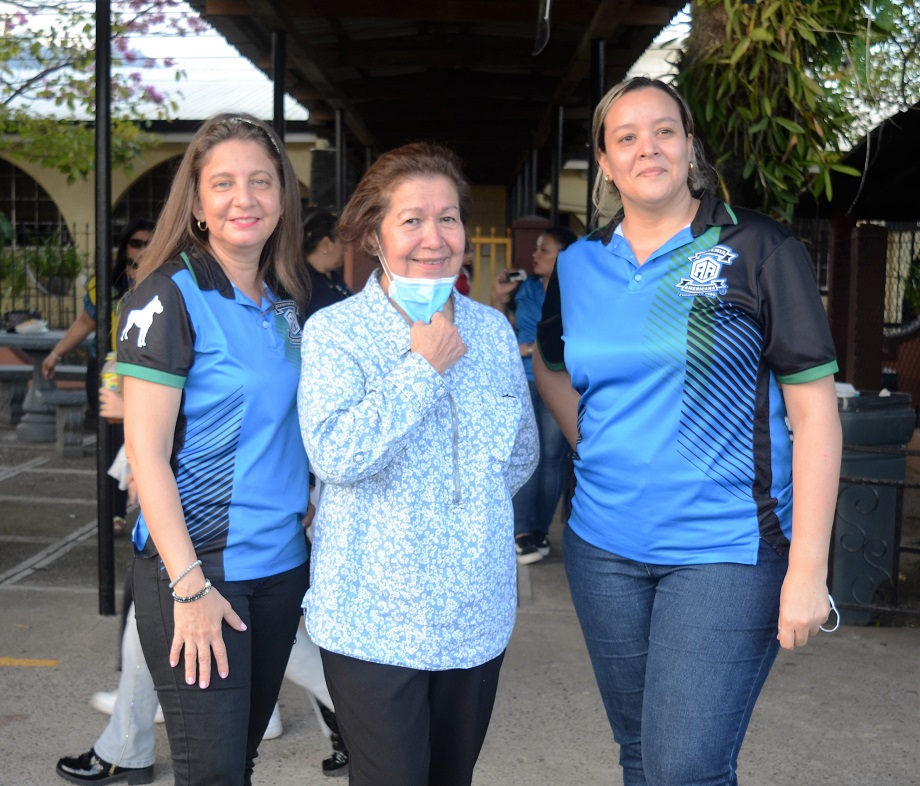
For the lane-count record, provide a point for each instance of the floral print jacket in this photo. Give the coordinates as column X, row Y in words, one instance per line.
column 413, row 556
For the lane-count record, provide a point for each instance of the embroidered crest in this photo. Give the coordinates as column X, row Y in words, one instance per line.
column 288, row 310
column 142, row 319
column 705, row 269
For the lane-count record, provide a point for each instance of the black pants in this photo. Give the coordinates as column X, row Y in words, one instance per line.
column 117, row 431
column 214, row 734
column 405, row 727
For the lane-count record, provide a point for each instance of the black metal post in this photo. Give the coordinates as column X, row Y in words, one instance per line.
column 105, row 503
column 279, row 60
column 597, row 92
column 556, row 166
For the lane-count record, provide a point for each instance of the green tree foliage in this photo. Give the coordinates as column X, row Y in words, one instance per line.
column 779, row 87
column 47, row 79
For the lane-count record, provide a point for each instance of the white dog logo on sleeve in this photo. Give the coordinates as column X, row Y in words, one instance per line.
column 142, row 318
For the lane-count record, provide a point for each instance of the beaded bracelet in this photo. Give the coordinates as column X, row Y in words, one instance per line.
column 184, row 573
column 197, row 596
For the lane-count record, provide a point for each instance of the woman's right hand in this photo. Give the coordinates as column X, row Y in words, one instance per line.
column 439, row 343
column 49, row 364
column 111, row 404
column 503, row 290
column 198, row 633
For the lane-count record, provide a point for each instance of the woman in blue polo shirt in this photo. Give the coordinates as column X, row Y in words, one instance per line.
column 209, row 348
column 697, row 544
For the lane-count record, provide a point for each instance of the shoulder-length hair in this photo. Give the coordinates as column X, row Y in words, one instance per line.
column 605, row 195
column 280, row 262
column 362, row 216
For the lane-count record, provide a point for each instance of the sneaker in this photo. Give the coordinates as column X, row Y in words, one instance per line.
column 542, row 545
column 104, row 701
column 275, row 729
column 526, row 549
column 89, row 768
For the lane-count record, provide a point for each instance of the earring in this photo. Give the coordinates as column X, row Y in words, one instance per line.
column 202, row 225
column 691, row 166
column 606, row 178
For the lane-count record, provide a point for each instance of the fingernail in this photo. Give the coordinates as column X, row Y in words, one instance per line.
column 223, row 675
column 244, row 627
column 189, row 680
column 202, row 685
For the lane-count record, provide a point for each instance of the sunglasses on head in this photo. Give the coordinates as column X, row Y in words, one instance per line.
column 136, row 242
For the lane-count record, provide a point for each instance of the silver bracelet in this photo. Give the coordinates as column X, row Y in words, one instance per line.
column 197, row 596
column 184, row 573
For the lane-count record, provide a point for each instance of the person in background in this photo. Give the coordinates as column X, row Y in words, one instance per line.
column 208, row 348
column 535, row 503
column 415, row 413
column 698, row 539
column 325, row 255
column 130, row 247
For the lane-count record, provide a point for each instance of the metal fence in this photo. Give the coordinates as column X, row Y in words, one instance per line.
column 48, row 276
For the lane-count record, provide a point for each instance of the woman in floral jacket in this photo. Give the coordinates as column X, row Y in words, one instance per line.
column 415, row 413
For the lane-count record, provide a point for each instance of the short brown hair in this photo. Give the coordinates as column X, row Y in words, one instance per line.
column 362, row 216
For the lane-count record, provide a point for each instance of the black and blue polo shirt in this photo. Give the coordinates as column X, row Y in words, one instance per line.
column 238, row 457
column 684, row 455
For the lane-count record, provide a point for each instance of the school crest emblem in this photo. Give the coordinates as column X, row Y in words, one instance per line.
column 705, row 273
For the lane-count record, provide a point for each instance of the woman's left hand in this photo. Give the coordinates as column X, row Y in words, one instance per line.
column 804, row 605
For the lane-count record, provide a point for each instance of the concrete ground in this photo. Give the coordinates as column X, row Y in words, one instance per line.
column 845, row 710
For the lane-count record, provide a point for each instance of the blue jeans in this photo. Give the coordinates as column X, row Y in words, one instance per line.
column 535, row 502
column 214, row 734
column 680, row 654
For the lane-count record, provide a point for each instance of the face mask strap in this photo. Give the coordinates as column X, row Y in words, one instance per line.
column 837, row 615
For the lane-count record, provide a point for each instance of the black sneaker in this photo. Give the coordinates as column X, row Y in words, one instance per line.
column 89, row 768
column 526, row 549
column 542, row 545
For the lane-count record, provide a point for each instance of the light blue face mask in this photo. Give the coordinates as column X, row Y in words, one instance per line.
column 420, row 298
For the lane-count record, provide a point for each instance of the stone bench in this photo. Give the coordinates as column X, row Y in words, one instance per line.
column 70, row 406
column 14, row 382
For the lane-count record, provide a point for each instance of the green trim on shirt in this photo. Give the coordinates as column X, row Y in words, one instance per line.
column 150, row 375
column 809, row 375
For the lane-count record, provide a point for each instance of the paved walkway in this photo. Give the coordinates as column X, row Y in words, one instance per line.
column 843, row 711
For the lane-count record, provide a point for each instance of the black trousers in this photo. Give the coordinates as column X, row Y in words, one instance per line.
column 405, row 727
column 214, row 734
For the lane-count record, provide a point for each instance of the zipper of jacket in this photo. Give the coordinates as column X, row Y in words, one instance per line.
column 456, row 448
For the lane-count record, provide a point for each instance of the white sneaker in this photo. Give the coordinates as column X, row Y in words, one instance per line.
column 104, row 701
column 275, row 729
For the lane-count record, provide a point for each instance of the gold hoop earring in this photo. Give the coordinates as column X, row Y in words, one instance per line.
column 202, row 226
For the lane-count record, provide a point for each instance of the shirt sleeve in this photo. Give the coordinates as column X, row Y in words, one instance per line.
column 549, row 330
column 155, row 340
column 528, row 306
column 798, row 345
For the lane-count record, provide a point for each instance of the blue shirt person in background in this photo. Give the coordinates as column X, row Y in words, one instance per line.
column 535, row 504
column 674, row 345
column 415, row 413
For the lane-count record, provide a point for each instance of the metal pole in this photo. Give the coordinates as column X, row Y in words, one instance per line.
column 279, row 59
column 105, row 506
column 597, row 93
column 339, row 160
column 556, row 166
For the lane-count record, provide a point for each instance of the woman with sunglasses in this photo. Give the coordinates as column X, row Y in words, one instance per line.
column 132, row 244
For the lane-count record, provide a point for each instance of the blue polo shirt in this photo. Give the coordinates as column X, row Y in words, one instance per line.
column 684, row 456
column 528, row 306
column 238, row 457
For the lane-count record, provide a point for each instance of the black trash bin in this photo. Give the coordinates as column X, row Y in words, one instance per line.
column 865, row 523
